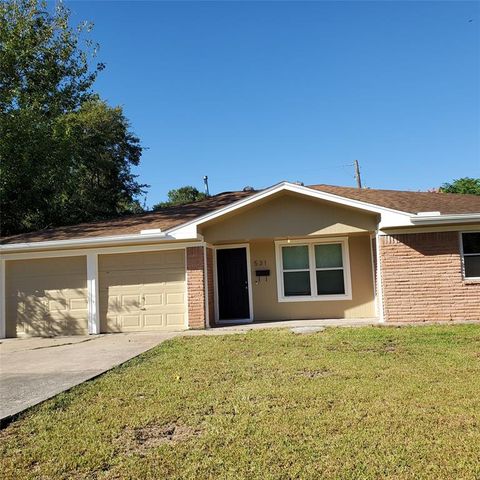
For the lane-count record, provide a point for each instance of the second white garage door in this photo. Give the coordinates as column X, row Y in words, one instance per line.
column 142, row 291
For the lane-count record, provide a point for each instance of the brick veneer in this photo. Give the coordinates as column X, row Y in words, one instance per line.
column 422, row 279
column 196, row 287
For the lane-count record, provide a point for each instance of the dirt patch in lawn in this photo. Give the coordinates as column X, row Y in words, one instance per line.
column 141, row 439
column 323, row 372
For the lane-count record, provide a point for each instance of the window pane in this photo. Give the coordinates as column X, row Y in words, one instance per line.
column 330, row 282
column 327, row 256
column 295, row 258
column 471, row 242
column 296, row 283
column 472, row 266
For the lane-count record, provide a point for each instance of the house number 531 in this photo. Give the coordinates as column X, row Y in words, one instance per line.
column 259, row 263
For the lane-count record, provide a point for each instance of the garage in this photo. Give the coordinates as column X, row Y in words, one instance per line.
column 142, row 291
column 46, row 296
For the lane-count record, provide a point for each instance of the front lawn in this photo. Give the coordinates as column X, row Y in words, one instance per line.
column 346, row 403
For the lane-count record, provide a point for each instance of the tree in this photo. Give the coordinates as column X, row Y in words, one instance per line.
column 181, row 196
column 463, row 185
column 65, row 156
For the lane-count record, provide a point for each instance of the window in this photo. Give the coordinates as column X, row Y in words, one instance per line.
column 313, row 270
column 296, row 271
column 471, row 254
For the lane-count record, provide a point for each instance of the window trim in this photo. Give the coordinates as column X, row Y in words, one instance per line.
column 463, row 255
column 310, row 243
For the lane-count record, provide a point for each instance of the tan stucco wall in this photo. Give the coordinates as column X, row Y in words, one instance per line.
column 46, row 296
column 288, row 215
column 266, row 306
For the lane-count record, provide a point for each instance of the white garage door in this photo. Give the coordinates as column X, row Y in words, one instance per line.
column 47, row 296
column 142, row 291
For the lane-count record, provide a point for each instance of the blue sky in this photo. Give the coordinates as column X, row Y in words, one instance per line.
column 253, row 93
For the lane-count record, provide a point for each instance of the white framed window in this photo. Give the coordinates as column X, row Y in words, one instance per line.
column 313, row 270
column 470, row 249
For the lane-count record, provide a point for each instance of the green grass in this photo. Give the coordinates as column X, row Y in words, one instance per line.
column 360, row 403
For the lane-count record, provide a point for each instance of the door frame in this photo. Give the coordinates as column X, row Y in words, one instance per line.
column 246, row 246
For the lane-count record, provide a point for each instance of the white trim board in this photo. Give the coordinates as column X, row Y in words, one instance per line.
column 93, row 297
column 249, row 280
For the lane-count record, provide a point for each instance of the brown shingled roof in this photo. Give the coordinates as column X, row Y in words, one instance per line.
column 164, row 219
column 169, row 217
column 410, row 202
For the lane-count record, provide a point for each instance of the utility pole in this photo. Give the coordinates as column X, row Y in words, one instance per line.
column 357, row 174
column 205, row 182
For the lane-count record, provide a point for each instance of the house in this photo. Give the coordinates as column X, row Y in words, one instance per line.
column 286, row 252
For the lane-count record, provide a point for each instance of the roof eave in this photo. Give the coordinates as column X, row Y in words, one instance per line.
column 113, row 240
column 419, row 220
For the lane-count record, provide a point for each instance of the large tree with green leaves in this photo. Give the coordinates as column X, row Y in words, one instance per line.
column 65, row 155
column 465, row 185
column 180, row 196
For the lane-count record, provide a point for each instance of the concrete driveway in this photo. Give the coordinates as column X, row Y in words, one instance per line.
column 35, row 369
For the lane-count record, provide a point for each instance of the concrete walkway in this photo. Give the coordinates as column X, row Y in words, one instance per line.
column 35, row 369
column 336, row 322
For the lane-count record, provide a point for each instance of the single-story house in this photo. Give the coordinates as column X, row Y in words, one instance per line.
column 285, row 252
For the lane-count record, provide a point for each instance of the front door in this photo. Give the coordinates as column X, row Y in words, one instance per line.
column 232, row 284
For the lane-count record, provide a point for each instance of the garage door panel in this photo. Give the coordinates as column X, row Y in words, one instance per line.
column 142, row 291
column 153, row 320
column 130, row 321
column 130, row 301
column 78, row 304
column 47, row 296
column 59, row 304
column 113, row 302
column 175, row 299
column 111, row 324
column 174, row 319
column 153, row 299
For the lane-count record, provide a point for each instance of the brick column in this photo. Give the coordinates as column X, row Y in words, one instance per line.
column 196, row 287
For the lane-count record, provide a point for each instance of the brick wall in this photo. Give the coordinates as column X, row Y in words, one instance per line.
column 422, row 279
column 196, row 287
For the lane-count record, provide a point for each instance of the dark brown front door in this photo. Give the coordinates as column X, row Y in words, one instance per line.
column 232, row 281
